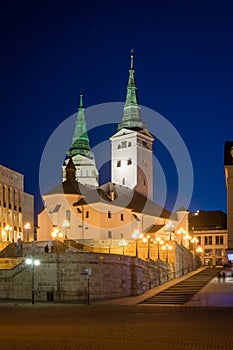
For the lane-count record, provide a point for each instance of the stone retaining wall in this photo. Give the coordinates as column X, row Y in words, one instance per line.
column 62, row 277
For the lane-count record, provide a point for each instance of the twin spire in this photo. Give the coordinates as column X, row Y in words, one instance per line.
column 132, row 112
column 80, row 142
column 131, row 118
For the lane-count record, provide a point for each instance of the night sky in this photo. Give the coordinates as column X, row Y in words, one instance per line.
column 184, row 70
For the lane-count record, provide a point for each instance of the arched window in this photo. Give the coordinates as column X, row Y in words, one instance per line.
column 118, row 163
column 119, row 146
column 129, row 161
column 129, row 144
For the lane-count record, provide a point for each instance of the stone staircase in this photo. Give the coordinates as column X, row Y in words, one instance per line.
column 183, row 291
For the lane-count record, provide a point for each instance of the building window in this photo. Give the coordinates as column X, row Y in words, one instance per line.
column 129, row 161
column 129, row 144
column 87, row 214
column 208, row 252
column 118, row 163
column 208, row 240
column 119, row 146
column 144, row 181
column 122, row 235
column 219, row 240
column 124, row 144
column 109, row 214
column 123, row 181
column 219, row 252
column 110, row 234
column 199, row 240
column 122, row 217
column 144, row 143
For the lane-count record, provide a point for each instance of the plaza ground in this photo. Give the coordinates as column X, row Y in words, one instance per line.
column 204, row 323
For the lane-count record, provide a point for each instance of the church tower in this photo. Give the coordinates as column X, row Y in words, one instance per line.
column 131, row 161
column 81, row 153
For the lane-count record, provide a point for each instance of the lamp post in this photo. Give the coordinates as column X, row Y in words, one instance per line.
column 199, row 250
column 169, row 229
column 158, row 241
column 181, row 232
column 167, row 247
column 32, row 262
column 194, row 240
column 8, row 228
column 123, row 244
column 56, row 234
column 137, row 235
column 27, row 227
column 147, row 239
column 66, row 225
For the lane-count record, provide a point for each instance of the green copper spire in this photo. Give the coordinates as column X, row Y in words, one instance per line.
column 132, row 111
column 80, row 142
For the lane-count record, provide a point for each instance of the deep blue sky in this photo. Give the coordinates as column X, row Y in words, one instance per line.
column 184, row 70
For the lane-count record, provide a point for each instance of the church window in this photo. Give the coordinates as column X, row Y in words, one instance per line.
column 109, row 214
column 129, row 161
column 123, row 181
column 129, row 144
column 68, row 215
column 122, row 217
column 118, row 163
column 144, row 181
column 124, row 144
column 122, row 235
column 87, row 214
column 144, row 143
column 119, row 146
column 109, row 234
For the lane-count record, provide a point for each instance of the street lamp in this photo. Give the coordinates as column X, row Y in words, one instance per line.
column 169, row 229
column 147, row 239
column 56, row 234
column 66, row 225
column 136, row 234
column 32, row 262
column 123, row 244
column 167, row 247
column 194, row 240
column 158, row 241
column 181, row 232
column 27, row 227
column 8, row 228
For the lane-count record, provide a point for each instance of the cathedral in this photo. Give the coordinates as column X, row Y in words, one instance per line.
column 81, row 210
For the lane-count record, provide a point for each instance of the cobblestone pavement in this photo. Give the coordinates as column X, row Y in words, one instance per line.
column 110, row 327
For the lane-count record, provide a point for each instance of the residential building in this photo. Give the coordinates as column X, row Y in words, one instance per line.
column 16, row 207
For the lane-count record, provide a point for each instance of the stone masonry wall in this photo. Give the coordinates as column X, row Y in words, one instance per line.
column 61, row 277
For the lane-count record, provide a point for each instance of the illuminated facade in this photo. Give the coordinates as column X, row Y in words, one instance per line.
column 210, row 230
column 116, row 209
column 16, row 207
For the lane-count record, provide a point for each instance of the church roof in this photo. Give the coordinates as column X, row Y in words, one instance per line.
column 132, row 111
column 80, row 141
column 70, row 187
column 123, row 197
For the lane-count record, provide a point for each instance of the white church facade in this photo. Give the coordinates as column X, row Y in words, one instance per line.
column 86, row 212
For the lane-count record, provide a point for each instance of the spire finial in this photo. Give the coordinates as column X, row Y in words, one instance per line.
column 81, row 99
column 131, row 58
